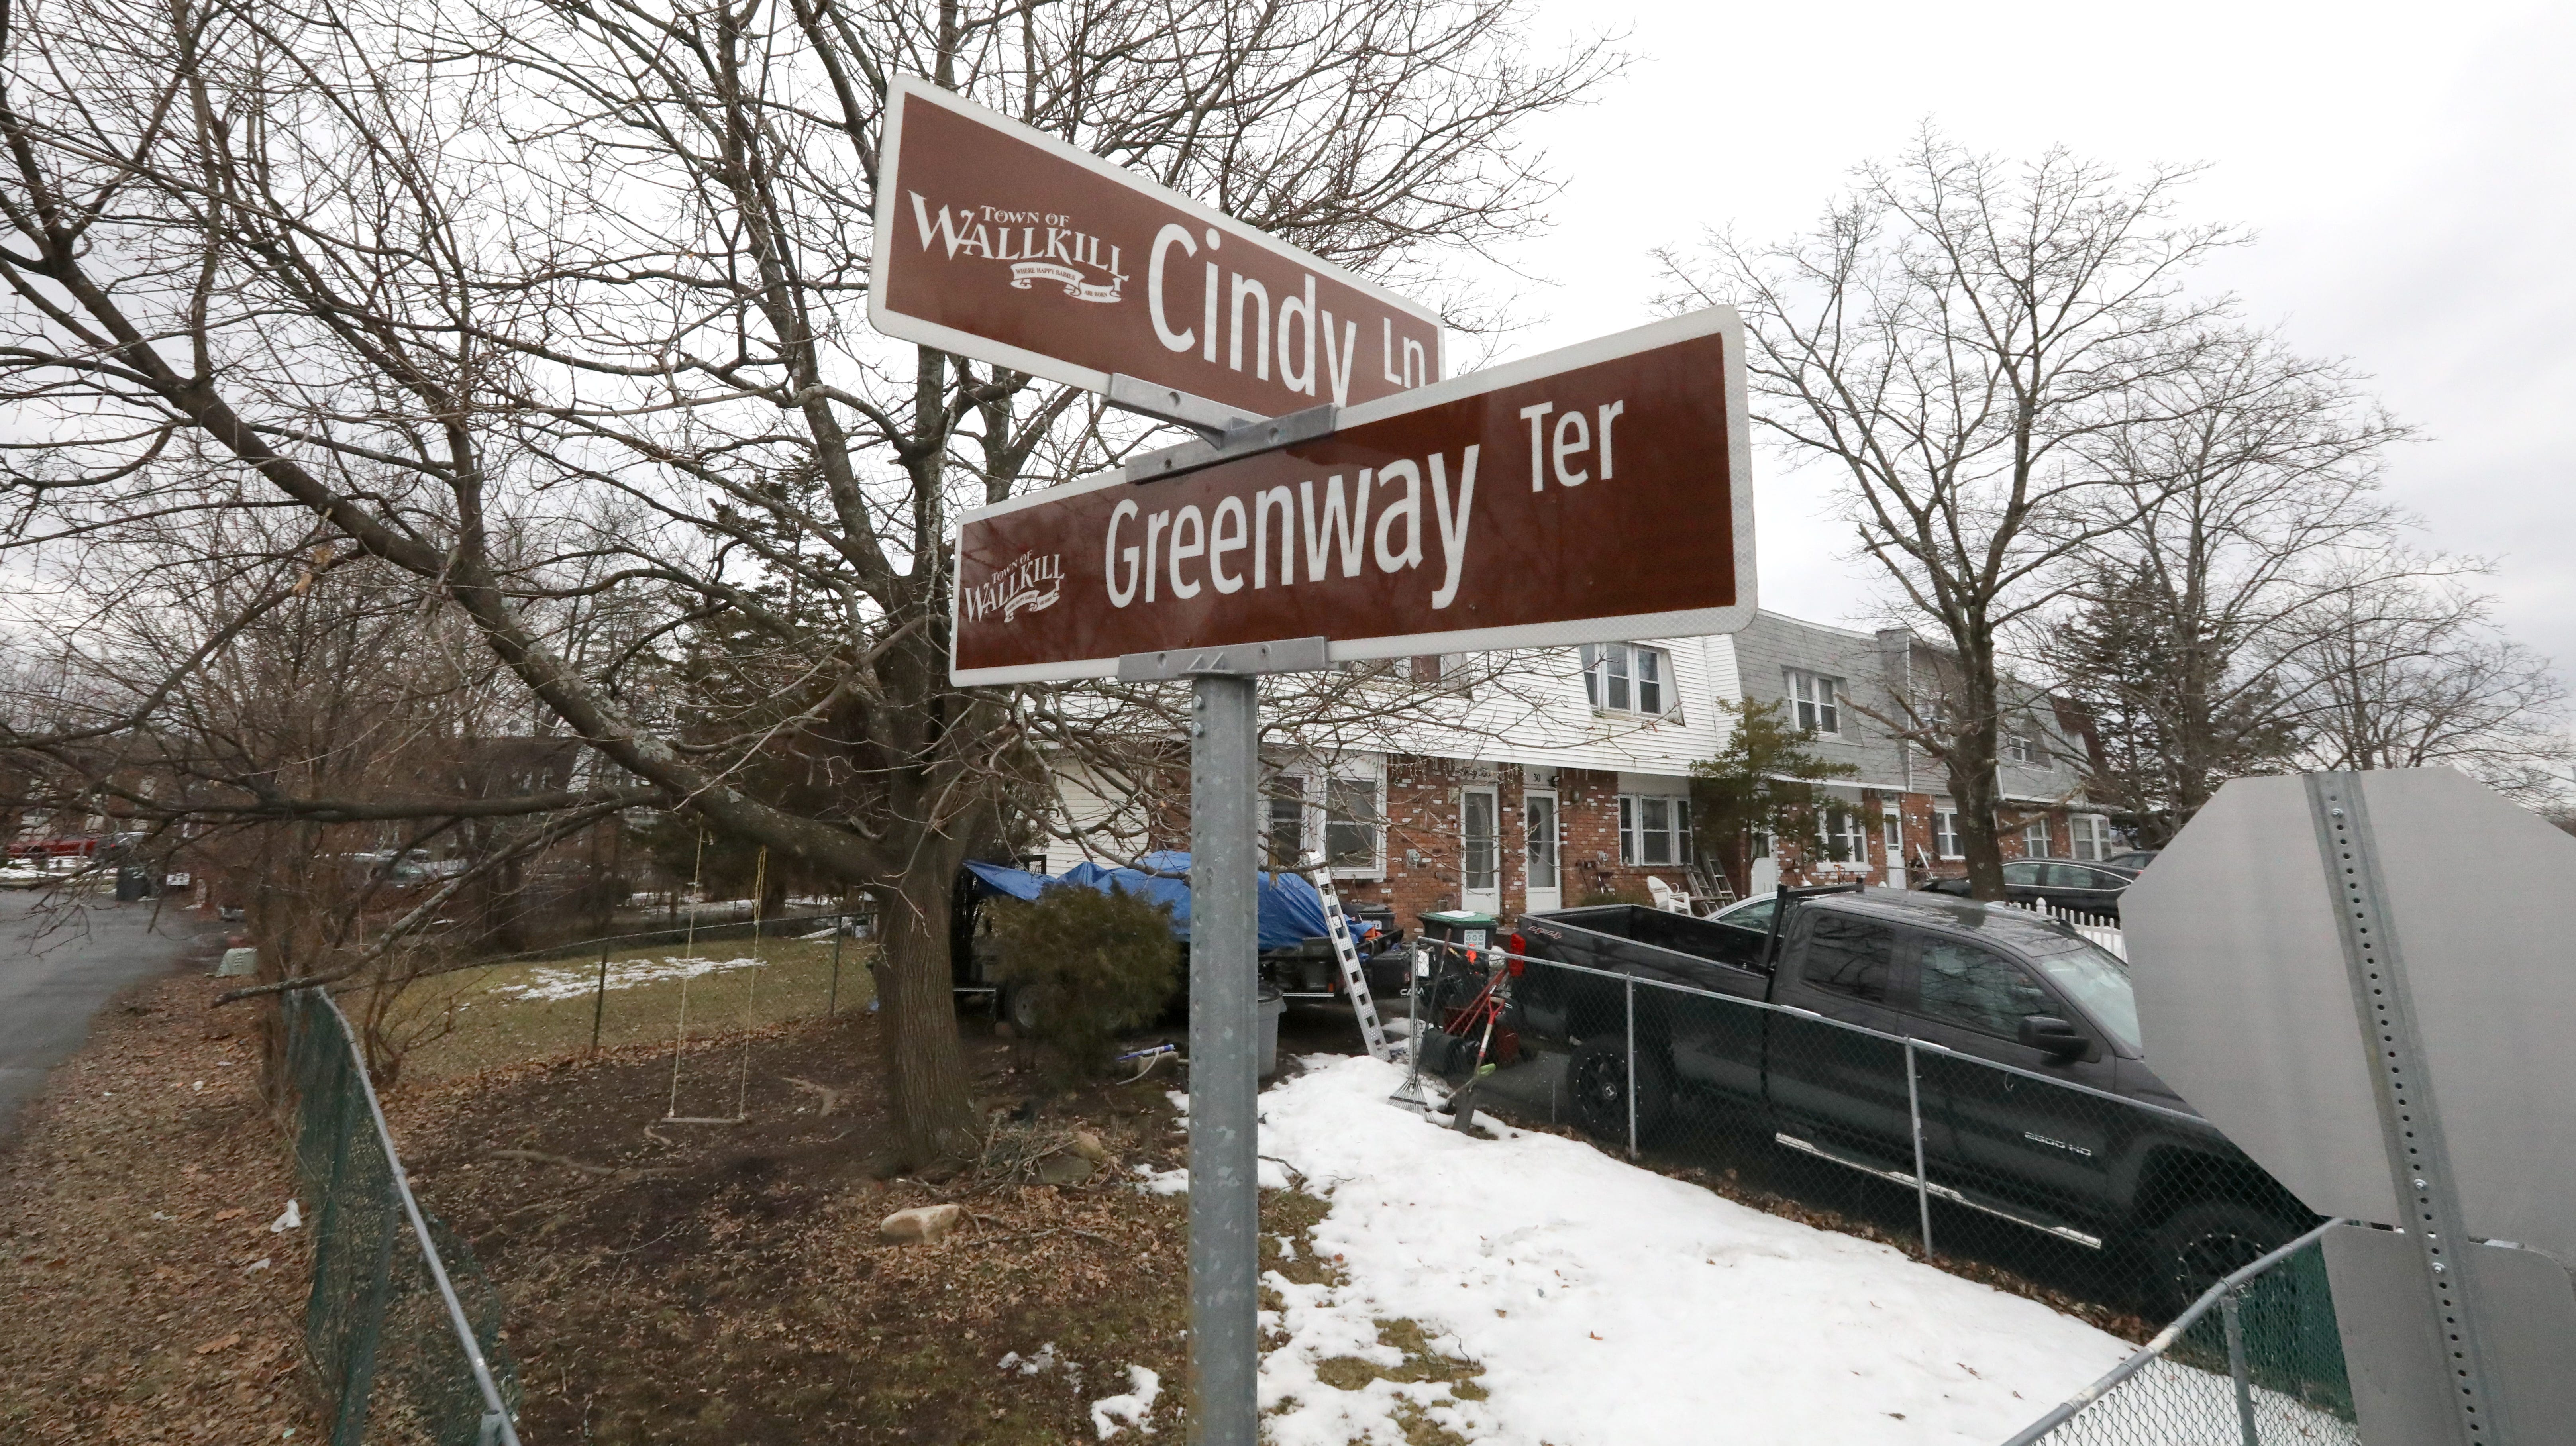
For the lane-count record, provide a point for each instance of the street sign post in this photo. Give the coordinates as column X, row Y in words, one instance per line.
column 1594, row 494
column 2362, row 979
column 1347, row 503
column 1003, row 243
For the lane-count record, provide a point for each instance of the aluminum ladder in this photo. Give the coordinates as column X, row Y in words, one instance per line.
column 1337, row 927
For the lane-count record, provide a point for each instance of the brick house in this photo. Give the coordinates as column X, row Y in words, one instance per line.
column 1568, row 775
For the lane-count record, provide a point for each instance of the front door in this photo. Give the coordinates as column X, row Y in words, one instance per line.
column 1895, row 827
column 1546, row 889
column 1480, row 874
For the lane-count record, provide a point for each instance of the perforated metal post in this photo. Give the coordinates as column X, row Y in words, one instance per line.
column 2412, row 1125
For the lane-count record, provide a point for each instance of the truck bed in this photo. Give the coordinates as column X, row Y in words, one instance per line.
column 1651, row 944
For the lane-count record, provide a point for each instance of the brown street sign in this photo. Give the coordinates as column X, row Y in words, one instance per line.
column 1593, row 494
column 1000, row 242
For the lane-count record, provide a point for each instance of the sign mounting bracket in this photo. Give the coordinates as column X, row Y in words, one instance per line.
column 1267, row 434
column 1236, row 660
column 1211, row 420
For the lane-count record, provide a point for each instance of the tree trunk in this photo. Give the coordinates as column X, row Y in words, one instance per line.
column 917, row 1012
column 1974, row 785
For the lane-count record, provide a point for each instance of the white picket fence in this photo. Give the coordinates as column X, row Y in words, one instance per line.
column 2106, row 935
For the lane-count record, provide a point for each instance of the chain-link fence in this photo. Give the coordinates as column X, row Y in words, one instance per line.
column 643, row 987
column 1916, row 1127
column 403, row 1329
column 2249, row 1364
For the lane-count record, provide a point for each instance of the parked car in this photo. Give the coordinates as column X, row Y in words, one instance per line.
column 2135, row 860
column 2085, row 888
column 1994, row 984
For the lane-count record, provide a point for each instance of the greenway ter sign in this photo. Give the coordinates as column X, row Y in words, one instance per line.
column 1593, row 494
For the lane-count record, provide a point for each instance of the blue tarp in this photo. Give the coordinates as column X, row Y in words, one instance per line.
column 1003, row 879
column 1291, row 908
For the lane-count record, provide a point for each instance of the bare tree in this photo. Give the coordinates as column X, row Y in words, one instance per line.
column 555, row 307
column 2405, row 668
column 1954, row 338
column 2235, row 511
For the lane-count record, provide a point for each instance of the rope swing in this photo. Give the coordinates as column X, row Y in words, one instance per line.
column 680, row 1032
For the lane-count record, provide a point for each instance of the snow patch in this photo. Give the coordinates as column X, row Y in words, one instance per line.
column 582, row 981
column 1113, row 1414
column 1609, row 1305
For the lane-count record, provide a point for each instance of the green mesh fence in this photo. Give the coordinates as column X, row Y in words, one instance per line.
column 403, row 1328
column 2255, row 1362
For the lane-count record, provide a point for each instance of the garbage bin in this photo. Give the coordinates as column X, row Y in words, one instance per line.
column 1461, row 927
column 1273, row 1004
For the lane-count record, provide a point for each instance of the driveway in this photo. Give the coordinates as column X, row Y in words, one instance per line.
column 59, row 967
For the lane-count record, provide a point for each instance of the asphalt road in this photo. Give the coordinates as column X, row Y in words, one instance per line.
column 58, row 967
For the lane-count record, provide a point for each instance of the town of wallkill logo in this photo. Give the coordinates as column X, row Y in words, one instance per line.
column 1028, row 585
column 1039, row 245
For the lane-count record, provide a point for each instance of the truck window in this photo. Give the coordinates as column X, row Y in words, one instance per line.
column 1849, row 956
column 1963, row 984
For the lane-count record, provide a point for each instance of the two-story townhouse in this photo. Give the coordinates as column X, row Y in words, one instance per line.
column 1567, row 775
column 1856, row 693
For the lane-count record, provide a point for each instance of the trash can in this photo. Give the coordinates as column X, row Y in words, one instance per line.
column 1461, row 927
column 1273, row 1004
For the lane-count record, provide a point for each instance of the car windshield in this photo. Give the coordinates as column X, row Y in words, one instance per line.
column 1755, row 915
column 2095, row 978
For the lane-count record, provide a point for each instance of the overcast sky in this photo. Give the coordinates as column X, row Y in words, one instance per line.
column 2410, row 172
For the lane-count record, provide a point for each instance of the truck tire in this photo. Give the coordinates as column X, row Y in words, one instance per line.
column 1019, row 1010
column 1596, row 1077
column 2199, row 1245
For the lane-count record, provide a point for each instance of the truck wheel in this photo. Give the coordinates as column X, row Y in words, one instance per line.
column 1020, row 1010
column 2199, row 1245
column 1597, row 1078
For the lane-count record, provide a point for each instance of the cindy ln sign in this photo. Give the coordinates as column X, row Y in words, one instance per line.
column 1593, row 494
column 1001, row 242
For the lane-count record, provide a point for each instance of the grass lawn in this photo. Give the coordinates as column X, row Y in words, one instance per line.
column 475, row 1019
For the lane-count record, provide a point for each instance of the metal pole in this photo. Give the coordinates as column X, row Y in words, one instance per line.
column 1224, row 1196
column 832, row 1004
column 599, row 1001
column 2236, row 1368
column 1922, row 1186
column 1632, row 1068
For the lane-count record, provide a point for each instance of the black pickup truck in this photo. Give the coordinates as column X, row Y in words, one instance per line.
column 1994, row 984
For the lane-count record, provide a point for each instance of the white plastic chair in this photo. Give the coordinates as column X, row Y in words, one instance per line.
column 1666, row 897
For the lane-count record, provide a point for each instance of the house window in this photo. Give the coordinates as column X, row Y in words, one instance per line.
column 2034, row 840
column 1285, row 833
column 1626, row 678
column 1945, row 833
column 2092, row 837
column 1816, row 702
column 1844, row 841
column 2021, row 741
column 1654, row 830
column 1353, row 826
